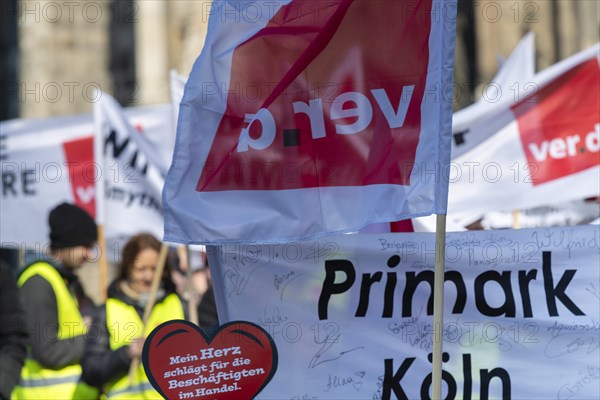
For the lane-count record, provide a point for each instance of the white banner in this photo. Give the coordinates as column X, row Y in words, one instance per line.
column 48, row 161
column 44, row 162
column 351, row 315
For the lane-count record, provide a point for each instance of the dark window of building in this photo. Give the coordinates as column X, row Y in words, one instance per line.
column 122, row 51
column 9, row 52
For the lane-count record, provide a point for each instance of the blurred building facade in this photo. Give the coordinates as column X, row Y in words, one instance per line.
column 56, row 53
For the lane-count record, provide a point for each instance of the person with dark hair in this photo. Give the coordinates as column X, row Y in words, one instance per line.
column 208, row 318
column 119, row 329
column 12, row 332
column 56, row 309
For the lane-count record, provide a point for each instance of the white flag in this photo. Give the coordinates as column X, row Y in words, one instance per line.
column 470, row 126
column 177, row 86
column 133, row 179
column 313, row 118
column 541, row 150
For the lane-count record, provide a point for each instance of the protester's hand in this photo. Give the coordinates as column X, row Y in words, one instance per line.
column 135, row 347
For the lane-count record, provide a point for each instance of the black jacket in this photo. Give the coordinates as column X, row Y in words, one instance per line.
column 207, row 311
column 100, row 364
column 12, row 333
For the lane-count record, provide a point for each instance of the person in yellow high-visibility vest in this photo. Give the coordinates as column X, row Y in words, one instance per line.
column 118, row 331
column 56, row 310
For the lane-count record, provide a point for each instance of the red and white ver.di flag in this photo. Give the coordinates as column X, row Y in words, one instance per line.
column 304, row 118
column 541, row 150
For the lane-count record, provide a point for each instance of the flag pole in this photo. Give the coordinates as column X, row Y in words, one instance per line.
column 162, row 260
column 516, row 219
column 438, row 305
column 102, row 264
column 191, row 292
column 99, row 192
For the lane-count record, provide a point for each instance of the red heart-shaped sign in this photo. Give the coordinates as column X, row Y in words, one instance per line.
column 182, row 362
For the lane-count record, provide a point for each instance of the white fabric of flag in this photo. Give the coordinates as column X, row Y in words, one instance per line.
column 541, row 150
column 311, row 118
column 470, row 126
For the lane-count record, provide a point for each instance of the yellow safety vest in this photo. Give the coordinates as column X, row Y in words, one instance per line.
column 37, row 381
column 124, row 324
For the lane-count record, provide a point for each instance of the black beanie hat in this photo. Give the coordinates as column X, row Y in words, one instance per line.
column 71, row 226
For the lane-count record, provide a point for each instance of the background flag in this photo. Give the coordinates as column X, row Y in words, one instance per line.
column 541, row 150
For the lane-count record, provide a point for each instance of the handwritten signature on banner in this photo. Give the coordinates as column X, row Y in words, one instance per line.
column 281, row 281
column 336, row 381
column 273, row 322
column 566, row 343
column 239, row 275
column 590, row 375
column 324, row 355
column 566, row 239
column 593, row 289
